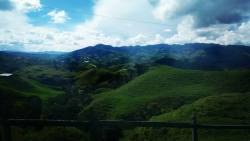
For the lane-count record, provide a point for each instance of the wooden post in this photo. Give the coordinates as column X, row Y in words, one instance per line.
column 6, row 130
column 95, row 130
column 94, row 127
column 194, row 129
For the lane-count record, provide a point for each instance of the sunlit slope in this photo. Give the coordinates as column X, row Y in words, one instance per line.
column 46, row 75
column 163, row 89
column 225, row 108
column 26, row 86
column 231, row 108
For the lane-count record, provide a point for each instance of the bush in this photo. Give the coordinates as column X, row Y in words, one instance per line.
column 55, row 134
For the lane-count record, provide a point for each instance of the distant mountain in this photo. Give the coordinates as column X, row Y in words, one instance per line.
column 196, row 56
column 11, row 61
column 102, row 55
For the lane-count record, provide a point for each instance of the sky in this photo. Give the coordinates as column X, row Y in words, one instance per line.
column 67, row 25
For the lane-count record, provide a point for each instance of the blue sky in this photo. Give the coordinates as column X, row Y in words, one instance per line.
column 78, row 11
column 66, row 25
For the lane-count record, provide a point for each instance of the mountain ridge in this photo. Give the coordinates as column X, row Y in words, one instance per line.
column 132, row 46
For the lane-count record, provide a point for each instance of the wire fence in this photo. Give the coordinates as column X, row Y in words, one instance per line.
column 99, row 124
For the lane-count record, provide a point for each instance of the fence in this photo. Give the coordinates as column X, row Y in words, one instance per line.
column 97, row 124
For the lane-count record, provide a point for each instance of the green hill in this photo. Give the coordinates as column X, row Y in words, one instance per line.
column 47, row 75
column 21, row 96
column 225, row 108
column 164, row 89
column 222, row 109
column 28, row 87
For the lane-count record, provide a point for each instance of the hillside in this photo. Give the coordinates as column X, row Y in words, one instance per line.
column 231, row 108
column 192, row 56
column 13, row 61
column 28, row 87
column 164, row 89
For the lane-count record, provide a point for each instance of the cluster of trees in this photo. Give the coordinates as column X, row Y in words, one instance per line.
column 13, row 105
column 66, row 106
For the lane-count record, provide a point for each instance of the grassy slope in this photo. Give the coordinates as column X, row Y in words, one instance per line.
column 164, row 89
column 231, row 108
column 28, row 87
column 43, row 91
column 36, row 71
column 23, row 82
column 225, row 108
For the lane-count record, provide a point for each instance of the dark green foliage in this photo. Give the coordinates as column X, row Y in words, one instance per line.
column 166, row 61
column 16, row 83
column 65, row 106
column 47, row 75
column 96, row 80
column 50, row 134
column 15, row 105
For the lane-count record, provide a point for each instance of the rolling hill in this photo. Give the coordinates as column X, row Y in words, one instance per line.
column 227, row 108
column 164, row 89
column 28, row 87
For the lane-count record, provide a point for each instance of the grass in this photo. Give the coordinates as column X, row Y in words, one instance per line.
column 164, row 89
column 231, row 108
column 41, row 90
column 25, row 82
column 39, row 70
column 225, row 109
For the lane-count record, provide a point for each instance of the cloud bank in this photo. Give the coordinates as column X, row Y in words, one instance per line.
column 205, row 13
column 130, row 22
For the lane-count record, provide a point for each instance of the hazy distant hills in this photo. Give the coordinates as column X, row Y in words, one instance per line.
column 195, row 56
column 198, row 56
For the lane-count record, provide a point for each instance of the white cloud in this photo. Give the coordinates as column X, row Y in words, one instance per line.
column 115, row 22
column 240, row 35
column 185, row 33
column 124, row 18
column 225, row 34
column 165, row 9
column 27, row 5
column 58, row 17
column 167, row 30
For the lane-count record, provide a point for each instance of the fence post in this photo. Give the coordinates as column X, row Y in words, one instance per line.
column 194, row 129
column 95, row 127
column 6, row 130
column 95, row 130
